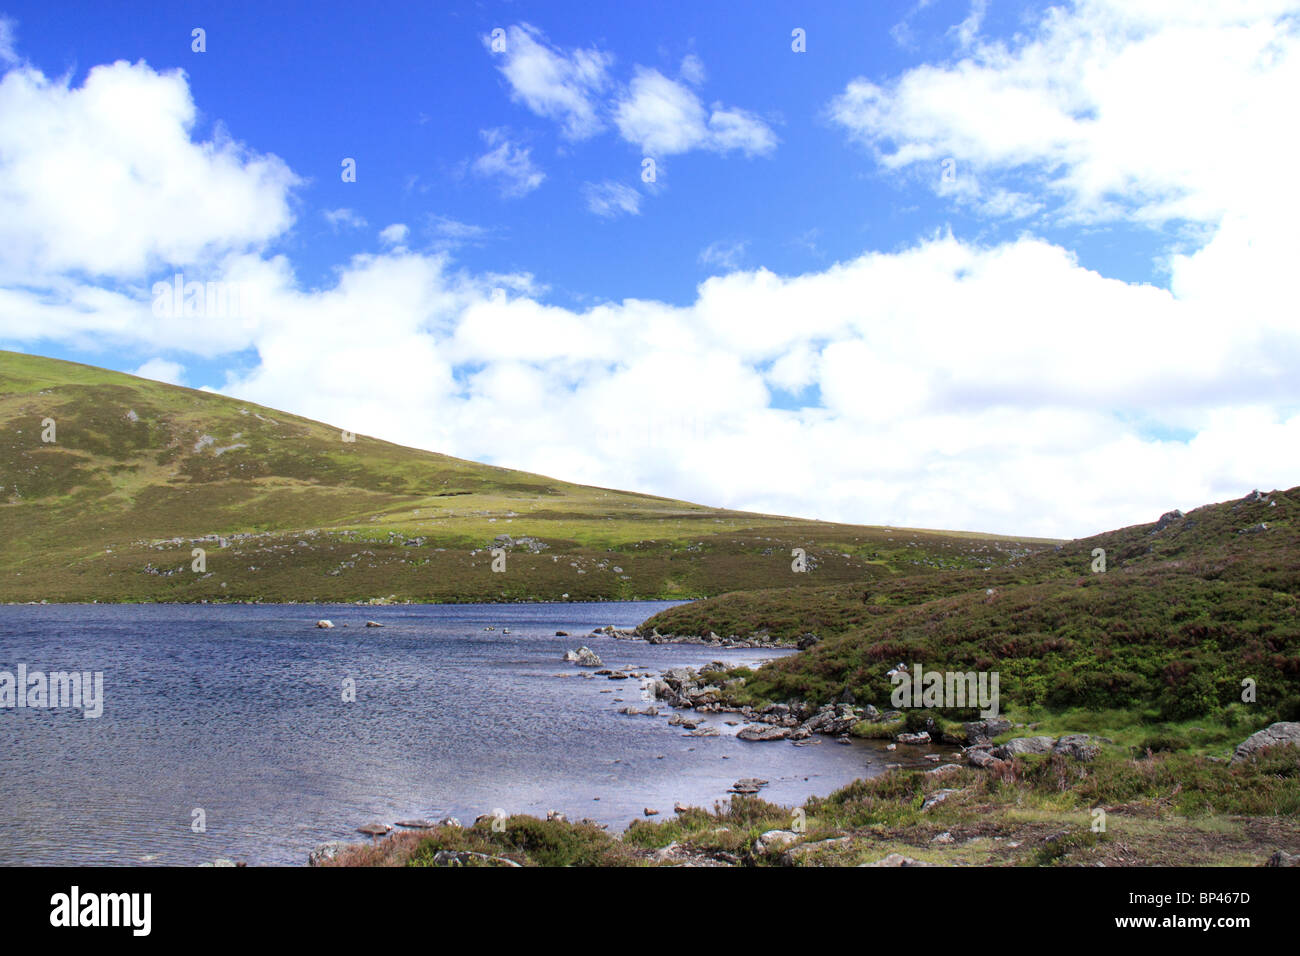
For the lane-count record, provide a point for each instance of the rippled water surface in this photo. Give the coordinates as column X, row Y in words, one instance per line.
column 238, row 710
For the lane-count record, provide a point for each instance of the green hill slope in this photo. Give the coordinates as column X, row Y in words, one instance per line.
column 140, row 474
column 1185, row 610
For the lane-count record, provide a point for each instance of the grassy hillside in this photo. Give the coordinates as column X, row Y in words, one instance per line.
column 141, row 473
column 1186, row 609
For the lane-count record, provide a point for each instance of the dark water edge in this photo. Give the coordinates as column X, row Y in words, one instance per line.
column 237, row 710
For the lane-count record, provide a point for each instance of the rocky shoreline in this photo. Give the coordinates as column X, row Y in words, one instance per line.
column 711, row 690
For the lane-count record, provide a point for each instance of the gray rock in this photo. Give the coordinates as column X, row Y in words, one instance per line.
column 1283, row 858
column 325, row 852
column 914, row 739
column 1024, row 745
column 896, row 859
column 775, row 840
column 983, row 731
column 651, row 711
column 1078, row 746
column 1283, row 732
column 469, row 858
column 1168, row 518
column 937, row 797
column 763, row 732
column 583, row 657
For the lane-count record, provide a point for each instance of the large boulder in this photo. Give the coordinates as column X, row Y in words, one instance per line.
column 583, row 657
column 1078, row 746
column 763, row 732
column 775, row 840
column 896, row 859
column 1168, row 518
column 983, row 731
column 1024, row 745
column 1284, row 732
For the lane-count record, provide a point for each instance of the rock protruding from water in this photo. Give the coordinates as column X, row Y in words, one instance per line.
column 583, row 657
column 324, row 624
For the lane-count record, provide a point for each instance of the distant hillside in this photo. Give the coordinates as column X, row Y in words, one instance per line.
column 1185, row 610
column 141, row 473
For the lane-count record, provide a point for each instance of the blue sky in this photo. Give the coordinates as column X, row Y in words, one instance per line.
column 1017, row 233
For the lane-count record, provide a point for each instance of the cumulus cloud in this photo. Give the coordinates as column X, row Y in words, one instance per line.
column 665, row 117
column 161, row 370
column 344, row 219
column 105, row 177
column 509, row 164
column 661, row 115
column 1137, row 111
column 395, row 235
column 554, row 84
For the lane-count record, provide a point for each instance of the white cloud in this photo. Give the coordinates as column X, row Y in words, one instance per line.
column 552, row 83
column 692, row 69
column 105, row 178
column 395, row 235
column 343, row 219
column 610, row 199
column 509, row 164
column 665, row 117
column 1125, row 110
column 966, row 31
column 8, row 45
column 724, row 254
column 161, row 370
column 661, row 115
column 963, row 385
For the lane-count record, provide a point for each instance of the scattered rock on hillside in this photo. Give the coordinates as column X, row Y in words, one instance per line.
column 1283, row 732
column 325, row 852
column 983, row 731
column 1024, row 745
column 1078, row 746
column 1166, row 519
column 937, row 797
column 896, row 859
column 775, row 840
